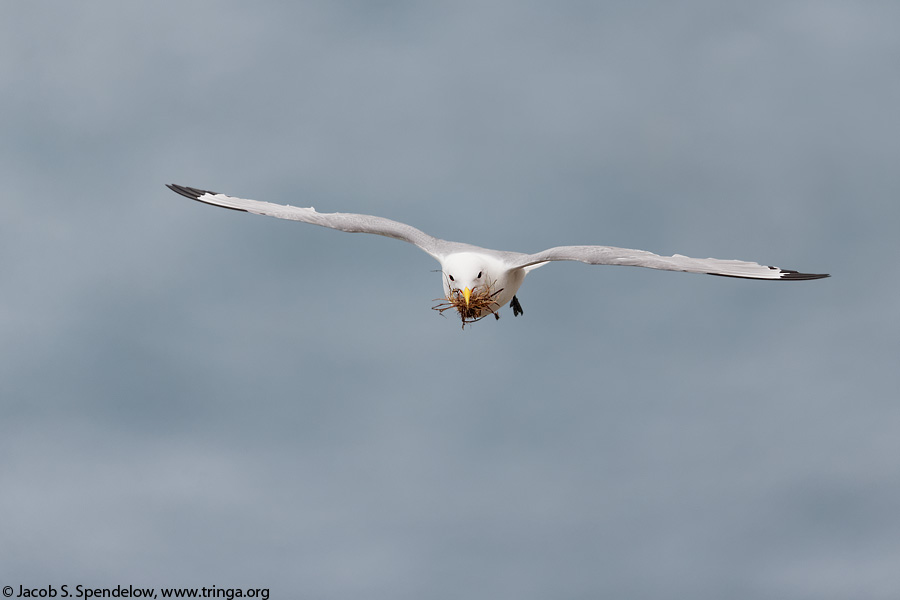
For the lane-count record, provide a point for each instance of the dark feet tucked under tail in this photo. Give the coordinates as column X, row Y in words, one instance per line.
column 517, row 308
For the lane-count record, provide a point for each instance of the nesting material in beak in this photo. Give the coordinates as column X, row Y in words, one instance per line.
column 471, row 305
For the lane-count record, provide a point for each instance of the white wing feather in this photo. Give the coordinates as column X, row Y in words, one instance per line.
column 349, row 222
column 608, row 255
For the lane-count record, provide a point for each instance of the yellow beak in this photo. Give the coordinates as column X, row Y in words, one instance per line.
column 466, row 293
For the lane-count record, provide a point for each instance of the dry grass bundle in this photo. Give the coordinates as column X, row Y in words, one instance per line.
column 480, row 305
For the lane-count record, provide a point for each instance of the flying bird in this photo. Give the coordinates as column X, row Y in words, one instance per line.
column 479, row 281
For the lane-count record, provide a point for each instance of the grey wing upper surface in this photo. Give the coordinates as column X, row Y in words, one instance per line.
column 349, row 222
column 608, row 255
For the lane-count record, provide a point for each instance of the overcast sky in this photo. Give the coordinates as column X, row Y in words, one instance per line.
column 193, row 396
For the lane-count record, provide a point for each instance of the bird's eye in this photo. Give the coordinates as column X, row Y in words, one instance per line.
column 479, row 275
column 451, row 277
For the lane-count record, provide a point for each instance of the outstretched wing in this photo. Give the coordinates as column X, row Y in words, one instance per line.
column 608, row 255
column 348, row 222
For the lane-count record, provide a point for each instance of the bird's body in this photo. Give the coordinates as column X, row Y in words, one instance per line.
column 479, row 270
column 478, row 281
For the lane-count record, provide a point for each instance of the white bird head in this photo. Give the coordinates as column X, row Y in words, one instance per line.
column 465, row 273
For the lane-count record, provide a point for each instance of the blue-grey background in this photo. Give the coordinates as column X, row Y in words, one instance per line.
column 195, row 396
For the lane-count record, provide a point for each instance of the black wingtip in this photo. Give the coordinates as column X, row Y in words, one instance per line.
column 795, row 276
column 195, row 194
column 188, row 192
column 784, row 274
